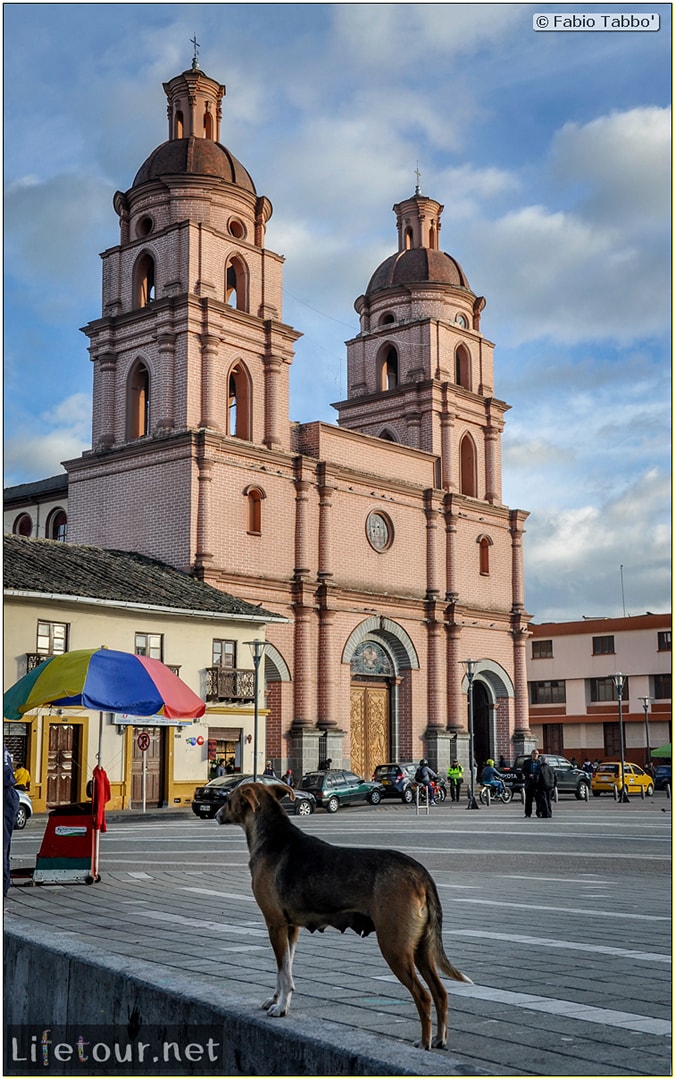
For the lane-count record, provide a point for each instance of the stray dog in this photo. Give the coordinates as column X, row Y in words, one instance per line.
column 299, row 880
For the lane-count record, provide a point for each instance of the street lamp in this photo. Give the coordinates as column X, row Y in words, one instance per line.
column 619, row 686
column 257, row 649
column 470, row 668
column 645, row 701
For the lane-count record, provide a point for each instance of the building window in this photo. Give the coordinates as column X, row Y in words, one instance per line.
column 178, row 125
column 149, row 645
column 23, row 526
column 239, row 403
column 550, row 692
column 664, row 640
column 408, row 238
column 52, row 639
column 468, row 467
column 662, row 687
column 138, row 402
column 463, row 367
column 208, row 125
column 603, row 646
column 604, row 689
column 543, row 650
column 484, row 555
column 235, row 284
column 223, row 653
column 144, row 281
column 57, row 524
column 388, row 368
column 254, row 497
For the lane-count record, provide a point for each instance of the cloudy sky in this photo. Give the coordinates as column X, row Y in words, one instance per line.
column 550, row 151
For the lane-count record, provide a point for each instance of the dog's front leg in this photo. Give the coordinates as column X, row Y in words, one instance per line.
column 283, row 940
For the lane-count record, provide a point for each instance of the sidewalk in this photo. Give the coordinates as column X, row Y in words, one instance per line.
column 130, row 947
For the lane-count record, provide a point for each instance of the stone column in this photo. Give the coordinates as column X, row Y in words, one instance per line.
column 327, row 667
column 448, row 481
column 491, row 435
column 457, row 701
column 105, row 367
column 210, row 344
column 166, row 341
column 272, row 370
column 204, row 478
column 302, row 554
column 326, row 490
column 431, row 519
column 522, row 736
column 451, row 518
column 517, row 518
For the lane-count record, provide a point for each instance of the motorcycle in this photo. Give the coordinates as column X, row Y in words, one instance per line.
column 489, row 793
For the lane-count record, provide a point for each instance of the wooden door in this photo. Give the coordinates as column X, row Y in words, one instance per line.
column 63, row 764
column 369, row 728
column 154, row 769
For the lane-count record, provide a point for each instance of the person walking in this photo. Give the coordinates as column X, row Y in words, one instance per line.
column 454, row 777
column 10, row 808
column 545, row 782
column 530, row 770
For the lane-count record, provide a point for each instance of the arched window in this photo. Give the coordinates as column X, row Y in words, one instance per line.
column 408, row 238
column 144, row 280
column 236, row 284
column 57, row 524
column 138, row 401
column 484, row 543
column 463, row 367
column 433, row 237
column 388, row 371
column 254, row 497
column 178, row 125
column 208, row 125
column 468, row 467
column 23, row 526
column 239, row 403
column 386, row 319
column 388, row 435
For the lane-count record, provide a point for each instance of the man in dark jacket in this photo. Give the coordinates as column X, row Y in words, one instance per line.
column 530, row 770
column 545, row 782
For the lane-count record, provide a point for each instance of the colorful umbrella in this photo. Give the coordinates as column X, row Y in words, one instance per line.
column 106, row 680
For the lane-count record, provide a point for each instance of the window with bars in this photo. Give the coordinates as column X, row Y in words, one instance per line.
column 604, row 690
column 52, row 638
column 224, row 653
column 149, row 645
column 603, row 646
column 542, row 649
column 548, row 692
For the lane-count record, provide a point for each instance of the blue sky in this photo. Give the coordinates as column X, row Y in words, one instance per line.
column 551, row 153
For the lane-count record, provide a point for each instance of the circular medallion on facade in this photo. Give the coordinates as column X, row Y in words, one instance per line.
column 379, row 531
column 461, row 321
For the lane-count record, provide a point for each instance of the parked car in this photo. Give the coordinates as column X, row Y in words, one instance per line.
column 209, row 798
column 397, row 779
column 569, row 779
column 662, row 777
column 607, row 778
column 25, row 810
column 339, row 787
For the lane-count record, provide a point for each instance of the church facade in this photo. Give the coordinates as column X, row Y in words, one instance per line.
column 383, row 539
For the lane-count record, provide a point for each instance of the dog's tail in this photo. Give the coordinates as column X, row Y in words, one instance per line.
column 434, row 927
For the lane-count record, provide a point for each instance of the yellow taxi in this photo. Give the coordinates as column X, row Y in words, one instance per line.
column 607, row 778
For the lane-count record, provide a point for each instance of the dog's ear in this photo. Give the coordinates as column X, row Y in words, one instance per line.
column 280, row 790
column 249, row 795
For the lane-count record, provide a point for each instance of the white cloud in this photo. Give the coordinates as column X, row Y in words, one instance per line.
column 62, row 433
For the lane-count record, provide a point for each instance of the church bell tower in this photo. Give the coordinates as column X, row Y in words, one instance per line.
column 420, row 372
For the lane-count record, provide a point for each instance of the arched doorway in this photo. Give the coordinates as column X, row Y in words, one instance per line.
column 370, row 744
column 382, row 657
column 482, row 726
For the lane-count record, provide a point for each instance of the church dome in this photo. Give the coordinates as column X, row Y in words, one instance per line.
column 194, row 157
column 417, row 266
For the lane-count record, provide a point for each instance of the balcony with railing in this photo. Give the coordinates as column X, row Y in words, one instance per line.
column 229, row 684
column 33, row 659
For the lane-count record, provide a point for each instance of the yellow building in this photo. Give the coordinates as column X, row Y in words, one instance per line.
column 60, row 597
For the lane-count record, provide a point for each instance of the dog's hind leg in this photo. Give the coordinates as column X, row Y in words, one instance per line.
column 427, row 968
column 403, row 966
column 283, row 940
